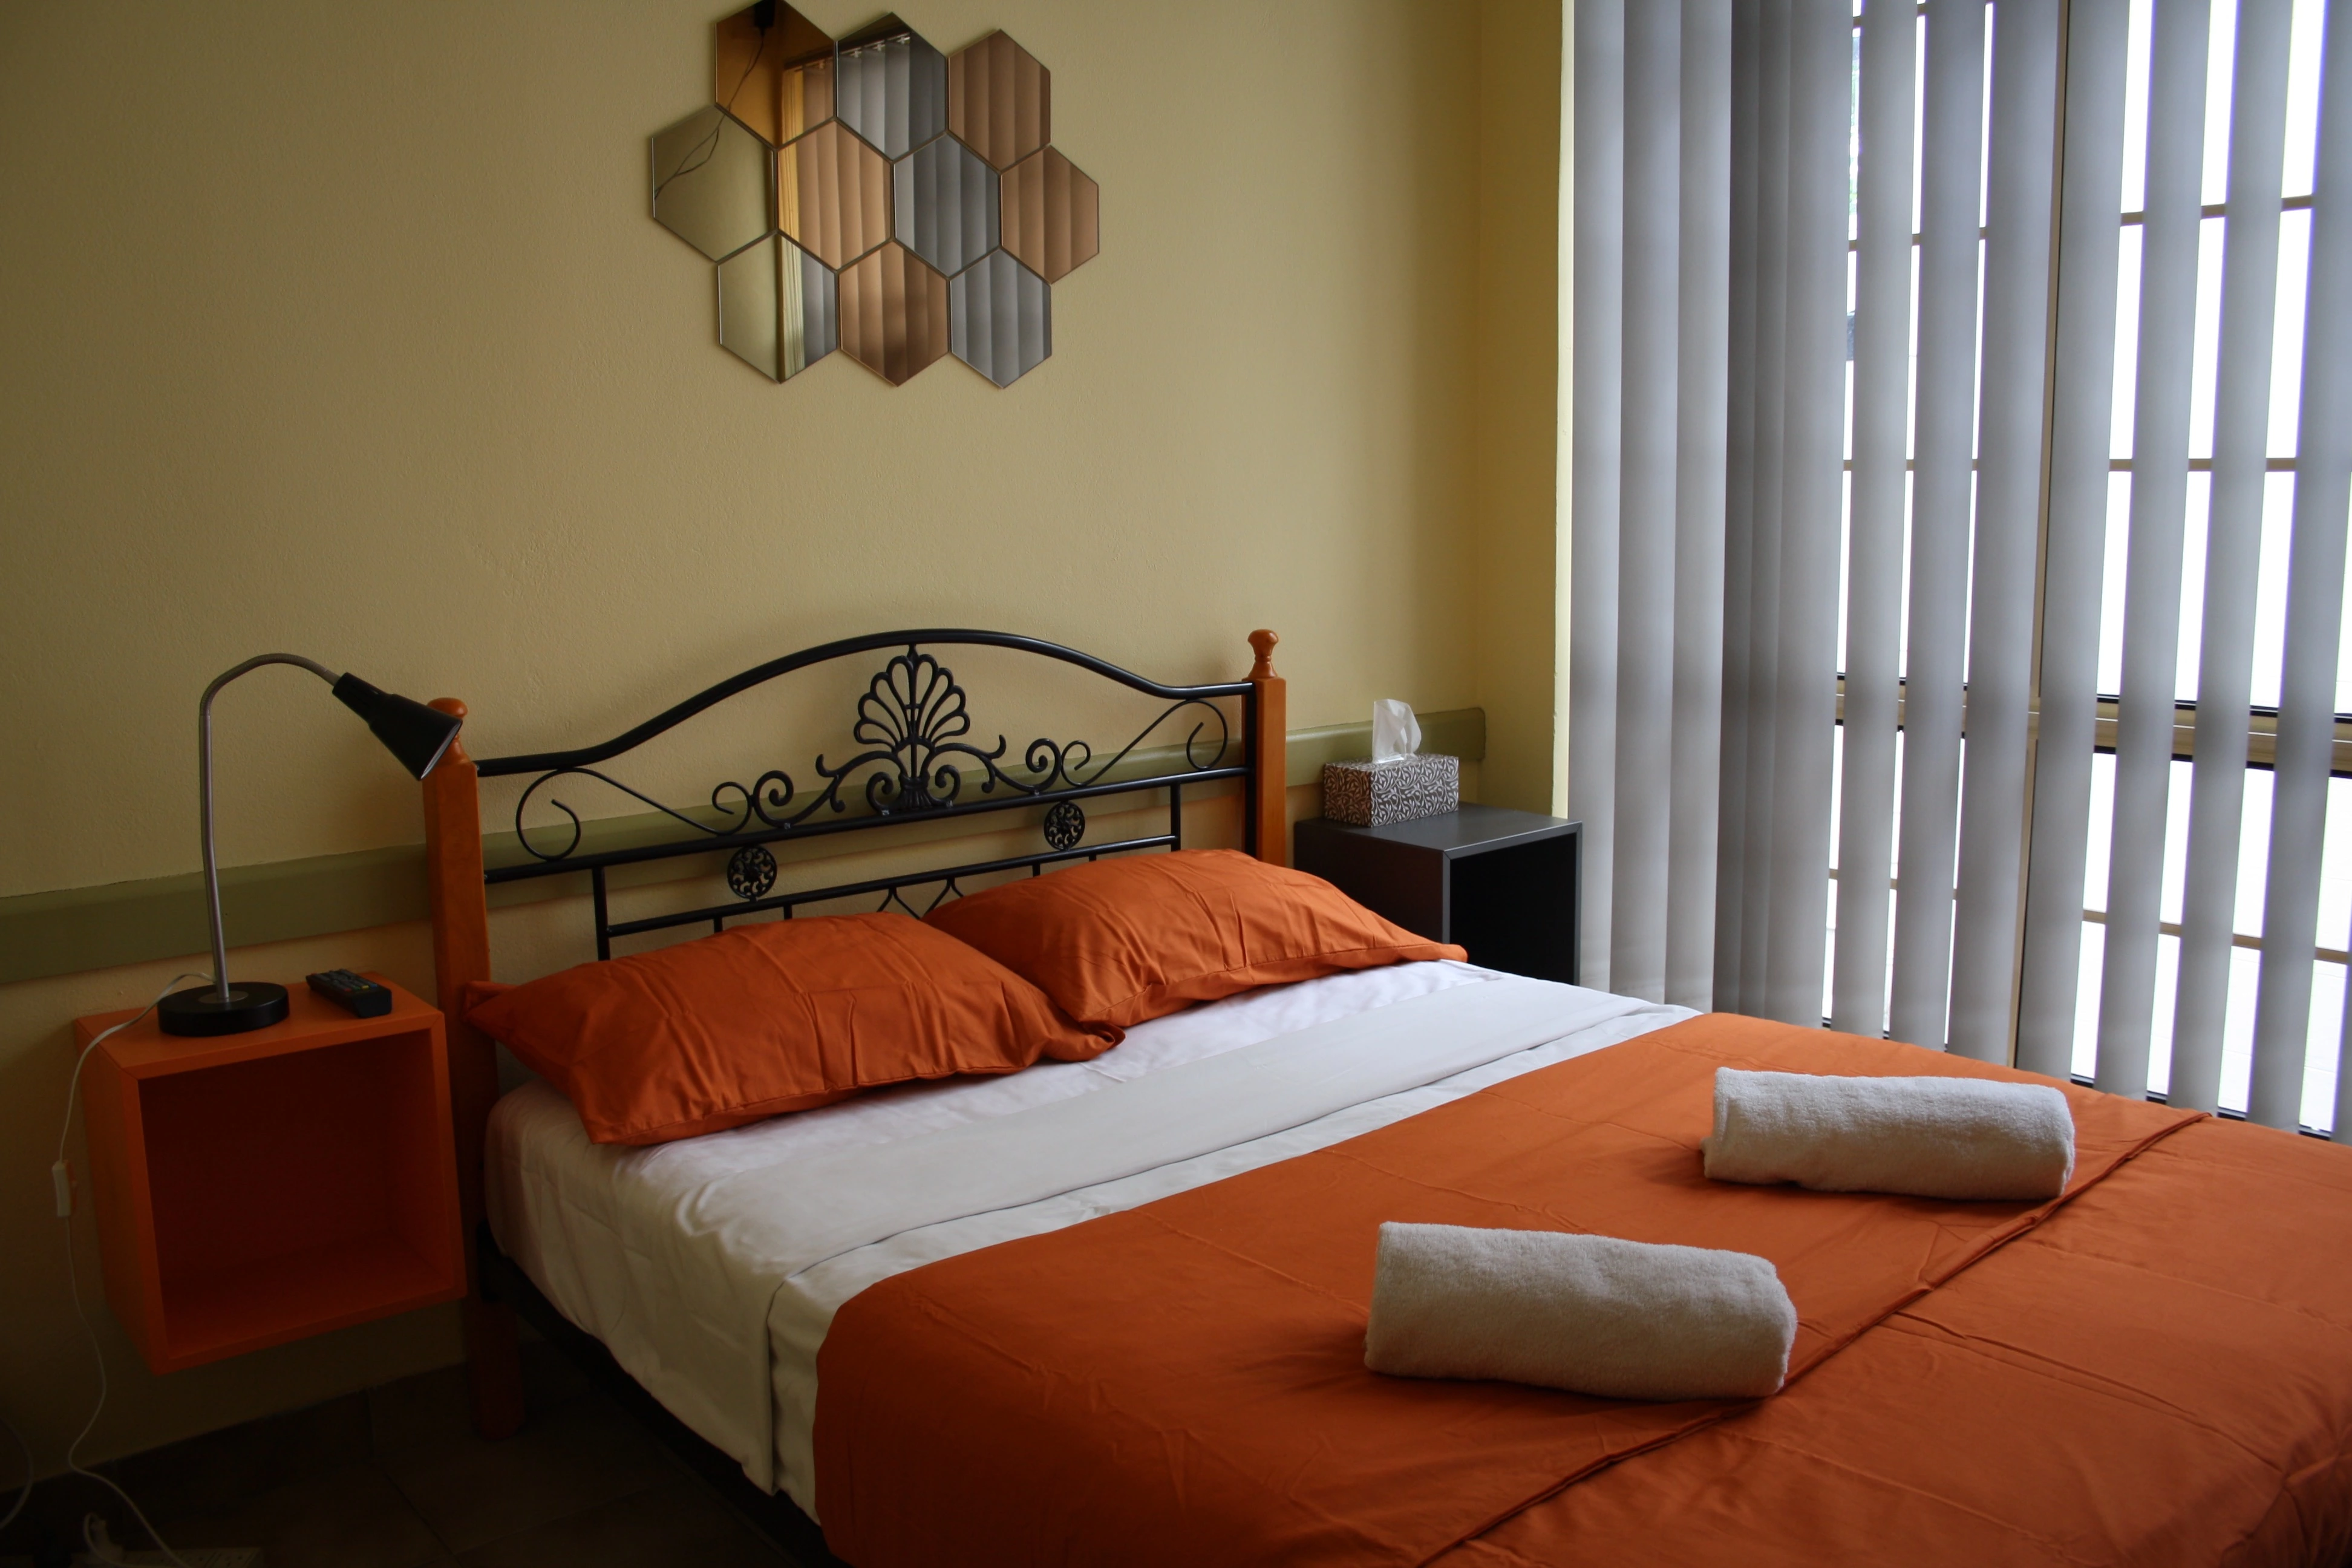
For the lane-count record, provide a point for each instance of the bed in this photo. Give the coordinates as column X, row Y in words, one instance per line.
column 1112, row 1310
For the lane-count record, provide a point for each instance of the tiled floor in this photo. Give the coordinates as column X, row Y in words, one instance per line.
column 395, row 1479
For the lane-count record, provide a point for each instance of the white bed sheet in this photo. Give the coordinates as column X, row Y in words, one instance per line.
column 712, row 1266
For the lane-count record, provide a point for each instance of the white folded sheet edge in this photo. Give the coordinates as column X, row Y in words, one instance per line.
column 781, row 1245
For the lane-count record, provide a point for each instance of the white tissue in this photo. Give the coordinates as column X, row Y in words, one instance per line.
column 1395, row 732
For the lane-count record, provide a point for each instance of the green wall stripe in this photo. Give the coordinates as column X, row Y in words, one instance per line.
column 79, row 929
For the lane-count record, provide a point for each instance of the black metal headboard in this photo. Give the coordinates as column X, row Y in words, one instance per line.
column 913, row 763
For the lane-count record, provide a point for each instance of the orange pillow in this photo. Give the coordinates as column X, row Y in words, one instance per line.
column 780, row 1016
column 1119, row 941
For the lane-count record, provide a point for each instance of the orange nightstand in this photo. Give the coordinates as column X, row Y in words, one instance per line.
column 257, row 1188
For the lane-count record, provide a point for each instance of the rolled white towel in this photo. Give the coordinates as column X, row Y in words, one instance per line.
column 1924, row 1137
column 1587, row 1314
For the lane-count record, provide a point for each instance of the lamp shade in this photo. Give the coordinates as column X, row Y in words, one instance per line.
column 410, row 731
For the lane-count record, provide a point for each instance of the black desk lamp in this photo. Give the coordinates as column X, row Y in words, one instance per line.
column 415, row 733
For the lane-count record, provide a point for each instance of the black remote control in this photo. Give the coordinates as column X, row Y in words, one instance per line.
column 363, row 997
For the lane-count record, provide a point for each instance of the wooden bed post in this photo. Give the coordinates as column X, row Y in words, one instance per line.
column 1270, row 744
column 461, row 953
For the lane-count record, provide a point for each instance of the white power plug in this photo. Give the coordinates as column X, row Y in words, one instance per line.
column 94, row 1534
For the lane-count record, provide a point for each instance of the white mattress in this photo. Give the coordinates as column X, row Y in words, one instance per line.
column 711, row 1268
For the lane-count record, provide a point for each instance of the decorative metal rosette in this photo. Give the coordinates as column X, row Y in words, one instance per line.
column 751, row 872
column 1064, row 823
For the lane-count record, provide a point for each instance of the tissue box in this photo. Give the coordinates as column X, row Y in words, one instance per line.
column 1373, row 794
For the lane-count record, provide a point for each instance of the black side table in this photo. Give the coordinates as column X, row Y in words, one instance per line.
column 1506, row 885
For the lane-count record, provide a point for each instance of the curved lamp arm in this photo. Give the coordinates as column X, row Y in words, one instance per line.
column 415, row 733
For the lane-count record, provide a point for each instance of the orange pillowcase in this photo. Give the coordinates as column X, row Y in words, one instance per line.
column 782, row 1016
column 1119, row 941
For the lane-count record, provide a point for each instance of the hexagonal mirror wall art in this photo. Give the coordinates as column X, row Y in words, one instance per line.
column 1000, row 100
column 944, row 204
column 894, row 86
column 779, row 307
column 833, row 195
column 710, row 183
column 873, row 195
column 1051, row 217
column 773, row 71
column 1001, row 318
column 894, row 313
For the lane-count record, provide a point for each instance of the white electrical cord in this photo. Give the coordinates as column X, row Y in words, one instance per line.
column 94, row 1532
column 24, row 1493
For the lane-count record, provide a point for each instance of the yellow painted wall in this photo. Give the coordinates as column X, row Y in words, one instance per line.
column 1519, row 588
column 342, row 330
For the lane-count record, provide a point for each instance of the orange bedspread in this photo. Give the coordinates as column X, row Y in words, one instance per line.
column 1184, row 1383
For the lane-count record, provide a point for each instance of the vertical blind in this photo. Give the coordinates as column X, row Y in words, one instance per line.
column 1652, row 295
column 1961, row 449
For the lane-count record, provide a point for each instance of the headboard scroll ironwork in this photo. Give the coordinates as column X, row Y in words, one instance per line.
column 914, row 757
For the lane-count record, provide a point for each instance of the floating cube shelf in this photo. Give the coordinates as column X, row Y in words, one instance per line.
column 257, row 1188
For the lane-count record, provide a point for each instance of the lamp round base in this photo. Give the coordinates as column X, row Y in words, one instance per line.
column 252, row 1005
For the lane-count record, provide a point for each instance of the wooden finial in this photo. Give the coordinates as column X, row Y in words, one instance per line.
column 1264, row 641
column 456, row 710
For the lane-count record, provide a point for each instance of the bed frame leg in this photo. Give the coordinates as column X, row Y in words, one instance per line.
column 461, row 953
column 493, row 1367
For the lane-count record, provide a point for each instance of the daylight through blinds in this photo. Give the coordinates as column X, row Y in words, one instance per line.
column 1961, row 446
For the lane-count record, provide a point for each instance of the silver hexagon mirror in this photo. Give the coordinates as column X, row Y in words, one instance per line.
column 778, row 308
column 944, row 201
column 711, row 182
column 1000, row 318
column 893, row 86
